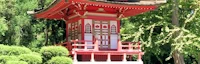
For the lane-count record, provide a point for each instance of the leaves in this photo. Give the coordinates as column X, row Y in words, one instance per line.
column 157, row 32
column 3, row 26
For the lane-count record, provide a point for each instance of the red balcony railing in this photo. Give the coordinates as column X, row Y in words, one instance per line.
column 81, row 46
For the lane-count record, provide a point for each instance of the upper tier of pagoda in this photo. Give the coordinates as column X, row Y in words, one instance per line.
column 63, row 9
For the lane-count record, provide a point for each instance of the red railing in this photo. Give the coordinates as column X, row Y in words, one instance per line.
column 128, row 46
column 83, row 45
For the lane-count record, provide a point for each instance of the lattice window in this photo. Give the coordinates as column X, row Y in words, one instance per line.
column 88, row 28
column 113, row 29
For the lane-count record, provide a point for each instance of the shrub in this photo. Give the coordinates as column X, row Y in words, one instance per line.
column 52, row 51
column 16, row 62
column 4, row 59
column 13, row 50
column 60, row 60
column 17, row 50
column 31, row 58
column 3, row 49
column 35, row 53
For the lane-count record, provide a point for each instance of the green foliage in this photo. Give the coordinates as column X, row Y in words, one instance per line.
column 60, row 60
column 13, row 50
column 3, row 49
column 4, row 59
column 18, row 54
column 17, row 50
column 155, row 31
column 48, row 2
column 48, row 52
column 19, row 28
column 16, row 62
column 31, row 58
column 3, row 26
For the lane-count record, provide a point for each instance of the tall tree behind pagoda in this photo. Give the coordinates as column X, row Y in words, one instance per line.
column 178, row 57
column 7, row 12
column 155, row 30
column 17, row 28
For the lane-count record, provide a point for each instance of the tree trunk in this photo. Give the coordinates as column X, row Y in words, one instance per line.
column 47, row 31
column 177, row 56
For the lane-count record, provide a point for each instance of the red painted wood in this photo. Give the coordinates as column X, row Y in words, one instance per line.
column 58, row 11
column 82, row 29
column 116, row 57
column 118, row 26
column 101, row 18
column 102, row 57
column 108, row 8
column 86, row 57
column 59, row 6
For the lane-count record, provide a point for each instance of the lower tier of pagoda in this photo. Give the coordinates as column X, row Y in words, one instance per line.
column 84, row 53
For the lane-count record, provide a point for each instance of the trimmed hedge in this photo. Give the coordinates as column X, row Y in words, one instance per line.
column 16, row 62
column 4, row 59
column 3, row 49
column 31, row 58
column 48, row 52
column 60, row 60
column 13, row 50
column 23, row 55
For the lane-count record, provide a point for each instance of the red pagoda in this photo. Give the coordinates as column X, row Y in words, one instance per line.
column 93, row 28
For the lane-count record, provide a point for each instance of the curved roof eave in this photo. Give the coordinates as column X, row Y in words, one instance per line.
column 145, row 2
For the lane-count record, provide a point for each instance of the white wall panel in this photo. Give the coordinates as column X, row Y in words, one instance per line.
column 88, row 37
column 113, row 41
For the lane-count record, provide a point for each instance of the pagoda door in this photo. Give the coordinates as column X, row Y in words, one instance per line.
column 101, row 33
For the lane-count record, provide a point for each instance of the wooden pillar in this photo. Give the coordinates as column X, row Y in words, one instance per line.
column 108, row 58
column 85, row 45
column 96, row 46
column 124, row 59
column 75, row 57
column 140, row 54
column 92, row 57
column 119, row 48
column 139, row 57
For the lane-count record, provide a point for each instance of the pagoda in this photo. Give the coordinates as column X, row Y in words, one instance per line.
column 93, row 28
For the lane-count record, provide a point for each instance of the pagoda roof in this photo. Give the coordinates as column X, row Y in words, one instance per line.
column 141, row 2
column 54, row 10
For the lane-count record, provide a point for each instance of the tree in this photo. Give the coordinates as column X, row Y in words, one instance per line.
column 156, row 32
column 178, row 57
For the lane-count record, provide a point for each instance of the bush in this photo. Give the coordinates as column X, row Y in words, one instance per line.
column 31, row 58
column 4, row 59
column 52, row 51
column 16, row 62
column 17, row 50
column 3, row 49
column 35, row 53
column 60, row 60
column 13, row 50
